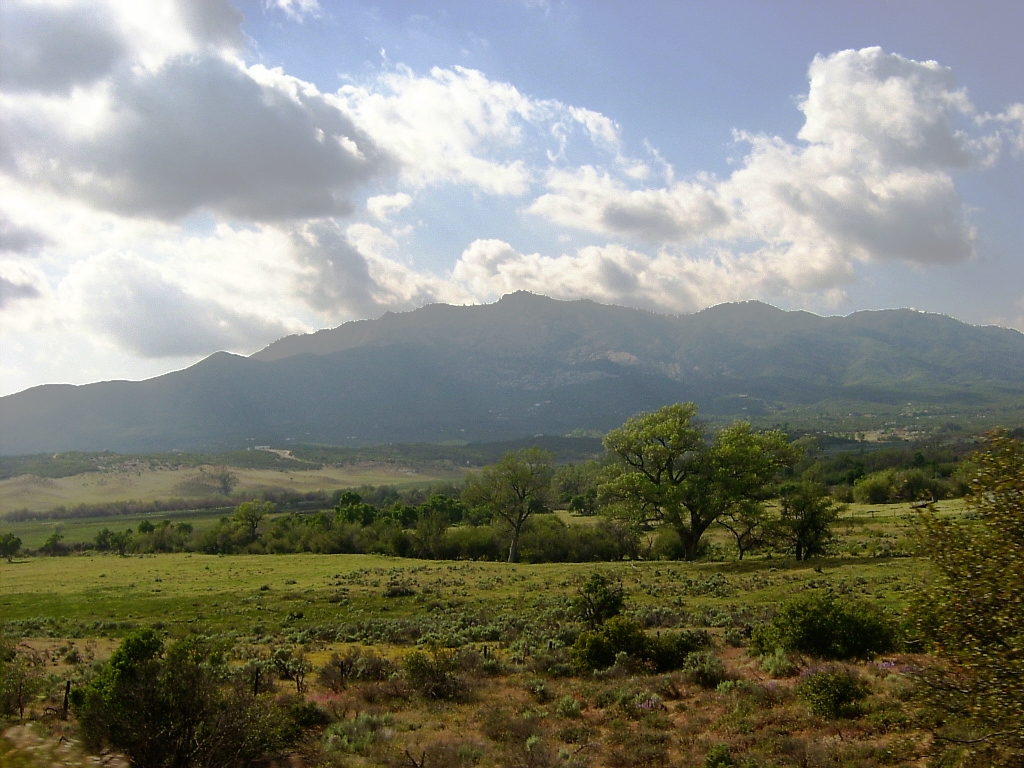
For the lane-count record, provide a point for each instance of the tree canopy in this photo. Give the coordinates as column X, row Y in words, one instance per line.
column 513, row 489
column 668, row 472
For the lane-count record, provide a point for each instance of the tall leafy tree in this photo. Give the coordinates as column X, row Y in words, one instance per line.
column 668, row 473
column 806, row 515
column 250, row 514
column 515, row 488
column 973, row 612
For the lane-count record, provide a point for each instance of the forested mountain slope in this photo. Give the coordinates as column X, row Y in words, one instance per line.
column 529, row 365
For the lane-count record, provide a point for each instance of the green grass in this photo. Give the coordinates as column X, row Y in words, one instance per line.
column 102, row 594
column 34, row 532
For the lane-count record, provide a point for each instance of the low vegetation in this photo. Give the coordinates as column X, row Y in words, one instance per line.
column 796, row 632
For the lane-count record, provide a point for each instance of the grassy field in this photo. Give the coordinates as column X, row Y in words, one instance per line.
column 40, row 493
column 96, row 594
column 71, row 611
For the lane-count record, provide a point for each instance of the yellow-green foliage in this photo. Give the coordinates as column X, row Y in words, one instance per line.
column 973, row 614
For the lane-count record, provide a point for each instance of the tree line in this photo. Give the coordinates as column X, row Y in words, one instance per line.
column 661, row 485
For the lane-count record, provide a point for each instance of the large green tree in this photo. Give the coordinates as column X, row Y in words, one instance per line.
column 972, row 613
column 513, row 489
column 806, row 515
column 667, row 472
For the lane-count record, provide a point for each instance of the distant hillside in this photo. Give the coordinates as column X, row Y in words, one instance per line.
column 530, row 365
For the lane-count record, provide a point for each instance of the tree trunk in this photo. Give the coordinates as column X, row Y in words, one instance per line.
column 513, row 550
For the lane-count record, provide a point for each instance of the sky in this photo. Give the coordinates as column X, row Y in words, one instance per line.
column 179, row 177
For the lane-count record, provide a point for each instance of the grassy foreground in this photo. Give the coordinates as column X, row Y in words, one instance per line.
column 521, row 707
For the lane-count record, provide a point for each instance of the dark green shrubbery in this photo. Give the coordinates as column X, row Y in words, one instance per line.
column 434, row 674
column 601, row 648
column 179, row 706
column 598, row 600
column 827, row 628
column 833, row 691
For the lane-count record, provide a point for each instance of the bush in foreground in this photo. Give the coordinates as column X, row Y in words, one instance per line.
column 827, row 628
column 172, row 707
column 833, row 692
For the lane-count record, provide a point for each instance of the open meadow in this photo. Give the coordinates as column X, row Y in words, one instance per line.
column 508, row 628
column 39, row 494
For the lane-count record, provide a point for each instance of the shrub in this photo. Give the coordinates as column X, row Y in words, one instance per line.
column 672, row 649
column 356, row 736
column 539, row 689
column 356, row 664
column 705, row 669
column 169, row 707
column 597, row 649
column 827, row 628
column 434, row 674
column 778, row 664
column 568, row 706
column 502, row 726
column 599, row 600
column 622, row 638
column 718, row 757
column 833, row 692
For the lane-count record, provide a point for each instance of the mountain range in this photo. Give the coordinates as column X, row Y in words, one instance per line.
column 528, row 365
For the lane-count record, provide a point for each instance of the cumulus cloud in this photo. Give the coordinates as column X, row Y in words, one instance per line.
column 591, row 200
column 128, row 299
column 11, row 291
column 350, row 272
column 614, row 274
column 16, row 238
column 383, row 207
column 870, row 181
column 173, row 126
column 50, row 49
column 451, row 126
column 1012, row 122
column 171, row 199
column 296, row 9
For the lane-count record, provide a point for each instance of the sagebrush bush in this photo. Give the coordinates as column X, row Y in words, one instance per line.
column 833, row 691
column 719, row 756
column 358, row 735
column 827, row 628
column 356, row 664
column 434, row 675
column 705, row 669
column 568, row 706
column 778, row 664
column 621, row 637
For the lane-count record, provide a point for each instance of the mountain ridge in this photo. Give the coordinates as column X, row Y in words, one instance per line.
column 529, row 364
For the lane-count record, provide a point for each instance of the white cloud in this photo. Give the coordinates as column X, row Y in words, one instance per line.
column 128, row 299
column 1012, row 122
column 445, row 128
column 297, row 9
column 870, row 181
column 351, row 272
column 589, row 199
column 602, row 130
column 162, row 198
column 614, row 274
column 383, row 207
column 199, row 133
